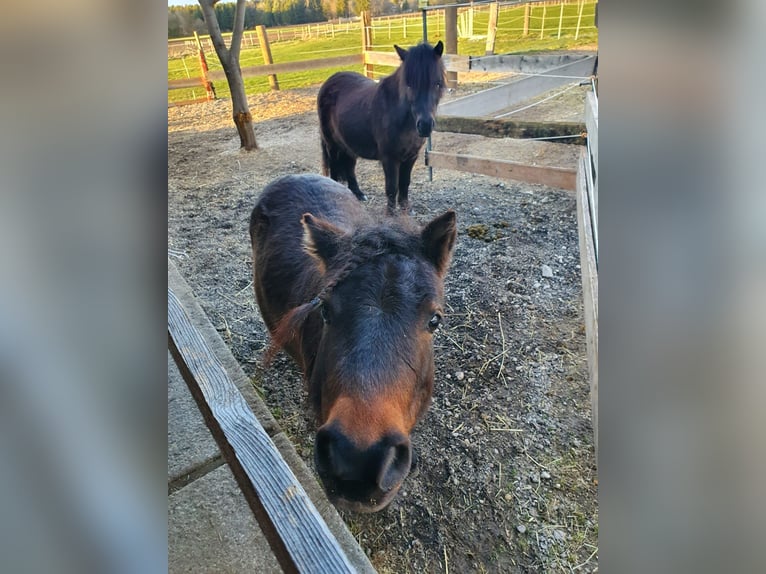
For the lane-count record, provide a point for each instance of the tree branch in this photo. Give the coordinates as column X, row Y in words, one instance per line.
column 239, row 27
column 208, row 11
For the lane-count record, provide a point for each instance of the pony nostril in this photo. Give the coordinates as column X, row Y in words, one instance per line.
column 322, row 454
column 333, row 455
column 396, row 465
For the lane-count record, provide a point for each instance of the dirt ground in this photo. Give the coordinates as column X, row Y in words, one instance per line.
column 507, row 480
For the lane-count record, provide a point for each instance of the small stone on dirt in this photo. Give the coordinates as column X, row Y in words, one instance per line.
column 508, row 497
column 460, row 375
column 521, row 528
column 546, row 271
column 544, row 474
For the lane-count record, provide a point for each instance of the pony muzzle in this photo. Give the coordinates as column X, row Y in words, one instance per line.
column 424, row 126
column 361, row 478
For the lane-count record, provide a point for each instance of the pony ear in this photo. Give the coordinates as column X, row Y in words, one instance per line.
column 439, row 49
column 439, row 238
column 401, row 51
column 321, row 239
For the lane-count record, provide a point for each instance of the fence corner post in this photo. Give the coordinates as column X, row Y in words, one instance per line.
column 366, row 22
column 450, row 40
column 209, row 88
column 263, row 40
column 494, row 10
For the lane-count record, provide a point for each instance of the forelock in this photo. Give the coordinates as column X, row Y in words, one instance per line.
column 421, row 68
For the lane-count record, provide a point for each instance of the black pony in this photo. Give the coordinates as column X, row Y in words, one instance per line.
column 387, row 121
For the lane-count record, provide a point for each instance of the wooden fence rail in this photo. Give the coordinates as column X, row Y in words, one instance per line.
column 297, row 533
column 452, row 22
column 587, row 223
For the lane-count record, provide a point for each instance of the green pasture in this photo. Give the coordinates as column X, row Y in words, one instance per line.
column 510, row 39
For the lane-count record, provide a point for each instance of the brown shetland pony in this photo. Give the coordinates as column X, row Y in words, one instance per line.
column 355, row 302
column 387, row 121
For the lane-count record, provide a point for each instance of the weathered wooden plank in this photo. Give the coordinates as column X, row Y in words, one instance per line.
column 491, row 101
column 512, row 129
column 186, row 83
column 589, row 269
column 494, row 10
column 452, row 62
column 295, row 530
column 558, row 177
column 524, row 63
column 287, row 67
column 591, row 122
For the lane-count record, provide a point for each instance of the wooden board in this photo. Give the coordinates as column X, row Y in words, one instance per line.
column 186, row 83
column 286, row 67
column 558, row 177
column 296, row 532
column 502, row 128
column 488, row 102
column 591, row 122
column 524, row 63
column 452, row 62
column 589, row 269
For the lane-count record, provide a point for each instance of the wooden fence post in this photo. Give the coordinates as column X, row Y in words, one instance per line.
column 263, row 40
column 366, row 22
column 494, row 9
column 579, row 18
column 542, row 24
column 450, row 40
column 203, row 65
column 526, row 19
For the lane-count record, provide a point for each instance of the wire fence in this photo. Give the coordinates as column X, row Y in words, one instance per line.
column 520, row 27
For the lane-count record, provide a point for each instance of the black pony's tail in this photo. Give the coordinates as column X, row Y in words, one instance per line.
column 325, row 158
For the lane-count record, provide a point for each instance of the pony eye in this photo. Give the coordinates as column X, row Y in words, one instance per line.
column 438, row 84
column 434, row 323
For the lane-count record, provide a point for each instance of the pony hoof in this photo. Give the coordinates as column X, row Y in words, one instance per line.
column 361, row 197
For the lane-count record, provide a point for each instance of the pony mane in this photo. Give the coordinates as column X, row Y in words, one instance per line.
column 366, row 244
column 421, row 69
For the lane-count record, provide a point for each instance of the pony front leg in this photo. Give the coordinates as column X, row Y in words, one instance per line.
column 349, row 168
column 405, row 172
column 391, row 171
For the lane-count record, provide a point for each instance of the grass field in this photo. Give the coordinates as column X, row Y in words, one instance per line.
column 509, row 39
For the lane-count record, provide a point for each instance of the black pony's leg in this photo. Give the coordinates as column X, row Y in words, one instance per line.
column 391, row 171
column 349, row 166
column 405, row 172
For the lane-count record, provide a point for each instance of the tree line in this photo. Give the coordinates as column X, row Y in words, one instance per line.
column 185, row 20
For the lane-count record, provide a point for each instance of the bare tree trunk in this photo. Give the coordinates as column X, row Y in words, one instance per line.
column 230, row 61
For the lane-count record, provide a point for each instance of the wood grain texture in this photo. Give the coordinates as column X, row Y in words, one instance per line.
column 511, row 129
column 296, row 532
column 588, row 265
column 186, row 83
column 591, row 123
column 558, row 177
column 285, row 67
column 452, row 62
column 494, row 10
